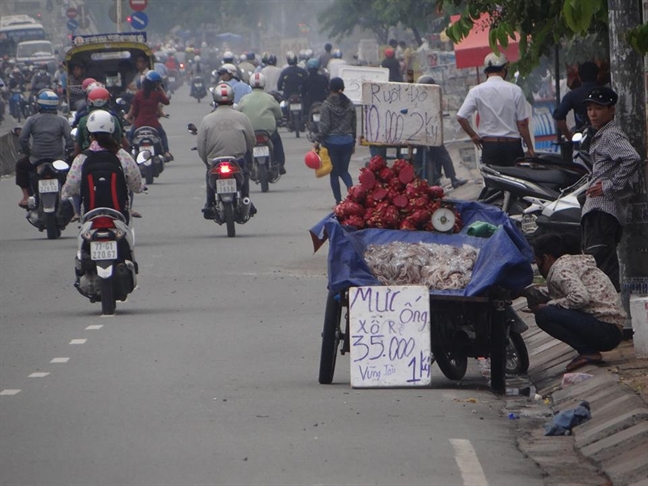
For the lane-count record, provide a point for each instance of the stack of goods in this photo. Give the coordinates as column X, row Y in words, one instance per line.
column 439, row 267
column 391, row 198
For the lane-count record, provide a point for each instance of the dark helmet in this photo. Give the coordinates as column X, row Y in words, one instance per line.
column 272, row 60
column 426, row 79
column 291, row 57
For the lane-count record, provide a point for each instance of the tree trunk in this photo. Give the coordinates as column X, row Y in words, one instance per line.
column 628, row 80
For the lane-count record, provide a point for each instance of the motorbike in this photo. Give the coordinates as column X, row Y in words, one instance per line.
column 18, row 104
column 265, row 169
column 174, row 80
column 105, row 263
column 198, row 89
column 43, row 205
column 295, row 122
column 312, row 128
column 148, row 139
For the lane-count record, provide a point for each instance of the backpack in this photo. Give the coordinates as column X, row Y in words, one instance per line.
column 103, row 183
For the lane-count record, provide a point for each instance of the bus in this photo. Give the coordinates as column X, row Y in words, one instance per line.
column 15, row 29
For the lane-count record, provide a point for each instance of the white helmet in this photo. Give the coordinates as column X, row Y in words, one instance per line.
column 100, row 121
column 243, row 57
column 228, row 56
column 197, row 58
column 228, row 68
column 495, row 61
column 223, row 94
column 257, row 80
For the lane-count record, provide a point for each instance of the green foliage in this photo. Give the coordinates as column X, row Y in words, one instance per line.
column 638, row 38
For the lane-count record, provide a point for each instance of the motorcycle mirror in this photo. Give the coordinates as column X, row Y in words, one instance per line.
column 73, row 133
column 143, row 156
column 211, row 89
column 577, row 137
column 16, row 131
column 120, row 101
column 192, row 128
column 60, row 165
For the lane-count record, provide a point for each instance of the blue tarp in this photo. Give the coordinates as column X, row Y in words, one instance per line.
column 504, row 258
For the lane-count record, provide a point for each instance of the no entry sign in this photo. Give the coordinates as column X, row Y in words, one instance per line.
column 71, row 13
column 138, row 5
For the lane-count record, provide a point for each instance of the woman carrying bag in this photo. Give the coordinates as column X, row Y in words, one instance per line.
column 337, row 132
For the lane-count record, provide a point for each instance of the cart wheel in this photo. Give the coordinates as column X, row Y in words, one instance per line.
column 517, row 356
column 452, row 364
column 330, row 339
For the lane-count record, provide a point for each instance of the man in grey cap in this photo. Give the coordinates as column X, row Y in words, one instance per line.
column 615, row 163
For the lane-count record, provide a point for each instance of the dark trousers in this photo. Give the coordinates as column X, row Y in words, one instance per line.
column 580, row 330
column 278, row 149
column 439, row 159
column 601, row 233
column 340, row 158
column 501, row 153
column 23, row 169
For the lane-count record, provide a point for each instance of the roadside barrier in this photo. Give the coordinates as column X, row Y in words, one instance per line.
column 8, row 153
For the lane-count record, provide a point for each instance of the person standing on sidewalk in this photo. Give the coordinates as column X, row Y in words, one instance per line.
column 337, row 132
column 503, row 115
column 579, row 305
column 615, row 163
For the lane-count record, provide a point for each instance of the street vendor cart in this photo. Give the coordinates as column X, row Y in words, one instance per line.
column 474, row 321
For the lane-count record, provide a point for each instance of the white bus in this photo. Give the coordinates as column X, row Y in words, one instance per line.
column 15, row 29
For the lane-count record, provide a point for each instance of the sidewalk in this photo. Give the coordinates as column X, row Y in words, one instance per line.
column 614, row 440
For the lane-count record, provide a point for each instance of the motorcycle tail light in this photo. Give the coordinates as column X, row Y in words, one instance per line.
column 102, row 222
column 262, row 139
column 224, row 168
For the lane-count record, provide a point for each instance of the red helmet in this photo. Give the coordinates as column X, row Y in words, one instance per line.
column 98, row 97
column 389, row 52
column 87, row 82
column 312, row 160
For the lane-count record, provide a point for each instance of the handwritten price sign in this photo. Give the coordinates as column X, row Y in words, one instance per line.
column 390, row 336
column 402, row 113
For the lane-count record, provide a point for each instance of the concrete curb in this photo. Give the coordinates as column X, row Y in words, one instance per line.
column 8, row 153
column 615, row 439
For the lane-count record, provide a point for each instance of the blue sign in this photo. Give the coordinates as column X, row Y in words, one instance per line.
column 72, row 25
column 139, row 20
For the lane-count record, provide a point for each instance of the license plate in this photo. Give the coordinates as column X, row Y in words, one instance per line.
column 529, row 225
column 103, row 250
column 316, row 118
column 149, row 148
column 295, row 107
column 262, row 151
column 172, row 80
column 48, row 185
column 225, row 186
column 198, row 85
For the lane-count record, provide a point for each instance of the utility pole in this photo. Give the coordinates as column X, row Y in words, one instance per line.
column 119, row 15
column 628, row 80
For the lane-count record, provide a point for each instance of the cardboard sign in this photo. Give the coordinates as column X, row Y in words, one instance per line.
column 402, row 113
column 354, row 76
column 390, row 336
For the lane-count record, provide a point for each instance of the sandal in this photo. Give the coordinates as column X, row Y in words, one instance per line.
column 23, row 205
column 135, row 214
column 580, row 361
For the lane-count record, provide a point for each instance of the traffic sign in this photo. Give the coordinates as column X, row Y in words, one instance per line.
column 72, row 25
column 138, row 5
column 71, row 13
column 139, row 20
column 84, row 21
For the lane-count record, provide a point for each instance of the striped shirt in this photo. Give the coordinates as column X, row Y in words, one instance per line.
column 615, row 162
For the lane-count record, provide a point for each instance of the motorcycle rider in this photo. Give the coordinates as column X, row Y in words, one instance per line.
column 315, row 87
column 271, row 73
column 333, row 66
column 225, row 132
column 390, row 62
column 76, row 93
column 326, row 56
column 101, row 128
column 263, row 112
column 45, row 135
column 98, row 99
column 228, row 75
column 41, row 79
column 247, row 67
column 291, row 78
column 16, row 84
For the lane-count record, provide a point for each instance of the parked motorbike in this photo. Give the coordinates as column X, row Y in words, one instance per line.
column 148, row 139
column 265, row 169
column 105, row 263
column 43, row 205
column 295, row 122
column 198, row 89
column 312, row 128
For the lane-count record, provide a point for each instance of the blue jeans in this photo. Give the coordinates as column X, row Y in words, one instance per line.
column 580, row 330
column 340, row 158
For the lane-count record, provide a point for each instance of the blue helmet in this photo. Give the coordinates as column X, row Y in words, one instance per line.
column 154, row 77
column 312, row 63
column 47, row 101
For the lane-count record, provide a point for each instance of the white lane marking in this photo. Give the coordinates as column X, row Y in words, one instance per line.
column 60, row 360
column 94, row 327
column 9, row 392
column 78, row 341
column 468, row 462
column 38, row 374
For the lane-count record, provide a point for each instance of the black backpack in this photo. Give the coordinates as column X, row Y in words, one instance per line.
column 103, row 183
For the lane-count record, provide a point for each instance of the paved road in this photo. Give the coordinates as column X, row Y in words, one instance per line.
column 208, row 375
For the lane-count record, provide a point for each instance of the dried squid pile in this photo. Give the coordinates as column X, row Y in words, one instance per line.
column 439, row 267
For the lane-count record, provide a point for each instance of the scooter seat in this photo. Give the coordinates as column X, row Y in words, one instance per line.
column 555, row 177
